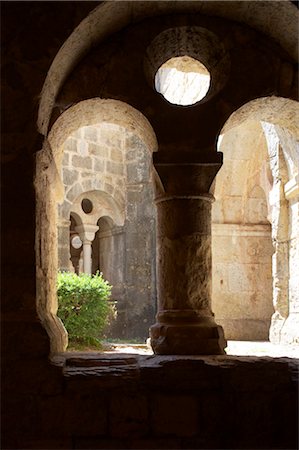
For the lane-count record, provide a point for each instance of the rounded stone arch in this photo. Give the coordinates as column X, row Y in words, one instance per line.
column 98, row 25
column 241, row 236
column 89, row 185
column 76, row 217
column 103, row 205
column 95, row 111
column 50, row 192
column 275, row 121
column 279, row 111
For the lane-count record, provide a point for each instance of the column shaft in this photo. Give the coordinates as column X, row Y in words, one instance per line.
column 185, row 323
column 87, row 234
column 184, row 249
column 87, row 257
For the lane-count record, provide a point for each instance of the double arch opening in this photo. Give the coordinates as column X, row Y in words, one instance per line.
column 276, row 157
column 49, row 183
column 50, row 192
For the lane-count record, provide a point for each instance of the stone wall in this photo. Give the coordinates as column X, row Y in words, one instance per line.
column 283, row 151
column 107, row 160
column 241, row 403
column 168, row 402
column 242, row 245
column 242, row 280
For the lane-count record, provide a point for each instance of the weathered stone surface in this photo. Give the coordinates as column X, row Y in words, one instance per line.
column 251, row 411
column 128, row 416
column 185, row 323
column 99, row 166
column 79, row 161
column 98, row 150
column 90, row 134
column 175, row 415
column 69, row 176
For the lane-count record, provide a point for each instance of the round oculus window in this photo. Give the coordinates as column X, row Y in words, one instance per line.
column 87, row 206
column 182, row 80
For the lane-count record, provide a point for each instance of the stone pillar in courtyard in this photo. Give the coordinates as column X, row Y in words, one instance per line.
column 64, row 262
column 87, row 233
column 290, row 331
column 185, row 322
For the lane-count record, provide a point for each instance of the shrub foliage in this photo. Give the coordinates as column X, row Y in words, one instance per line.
column 84, row 306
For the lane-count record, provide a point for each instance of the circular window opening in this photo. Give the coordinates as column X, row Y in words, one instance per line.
column 182, row 80
column 87, row 205
column 76, row 242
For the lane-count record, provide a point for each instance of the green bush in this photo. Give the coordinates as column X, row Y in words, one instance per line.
column 84, row 307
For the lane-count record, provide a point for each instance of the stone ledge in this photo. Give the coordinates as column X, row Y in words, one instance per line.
column 180, row 372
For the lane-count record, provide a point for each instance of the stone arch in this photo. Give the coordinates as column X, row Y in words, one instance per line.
column 99, row 24
column 241, row 236
column 97, row 110
column 279, row 111
column 104, row 205
column 277, row 119
column 50, row 192
column 86, row 186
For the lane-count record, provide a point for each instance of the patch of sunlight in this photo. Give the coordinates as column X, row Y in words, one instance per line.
column 234, row 348
column 182, row 81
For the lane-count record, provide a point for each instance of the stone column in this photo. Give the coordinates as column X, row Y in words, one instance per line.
column 185, row 323
column 280, row 239
column 290, row 331
column 64, row 262
column 87, row 233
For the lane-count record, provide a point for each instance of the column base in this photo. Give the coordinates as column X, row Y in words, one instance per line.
column 179, row 336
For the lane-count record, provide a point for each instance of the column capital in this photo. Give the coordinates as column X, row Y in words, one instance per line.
column 186, row 174
column 86, row 232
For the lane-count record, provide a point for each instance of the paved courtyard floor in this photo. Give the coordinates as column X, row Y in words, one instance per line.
column 238, row 348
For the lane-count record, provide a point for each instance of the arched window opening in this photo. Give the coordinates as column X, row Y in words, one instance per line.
column 103, row 195
column 257, row 202
column 182, row 80
column 76, row 246
column 242, row 244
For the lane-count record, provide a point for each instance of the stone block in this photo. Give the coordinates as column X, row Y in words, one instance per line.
column 98, row 150
column 138, row 172
column 232, row 209
column 92, row 419
column 85, row 175
column 116, row 155
column 48, row 443
column 155, row 444
column 82, row 148
column 51, row 416
column 81, row 162
column 90, row 184
column 135, row 147
column 91, row 133
column 115, row 168
column 74, row 192
column 246, row 277
column 213, row 412
column 257, row 210
column 97, row 443
column 111, row 137
column 220, row 277
column 65, row 159
column 128, row 415
column 245, row 329
column 119, row 196
column 69, row 176
column 98, row 165
column 71, row 145
column 108, row 188
column 174, row 415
